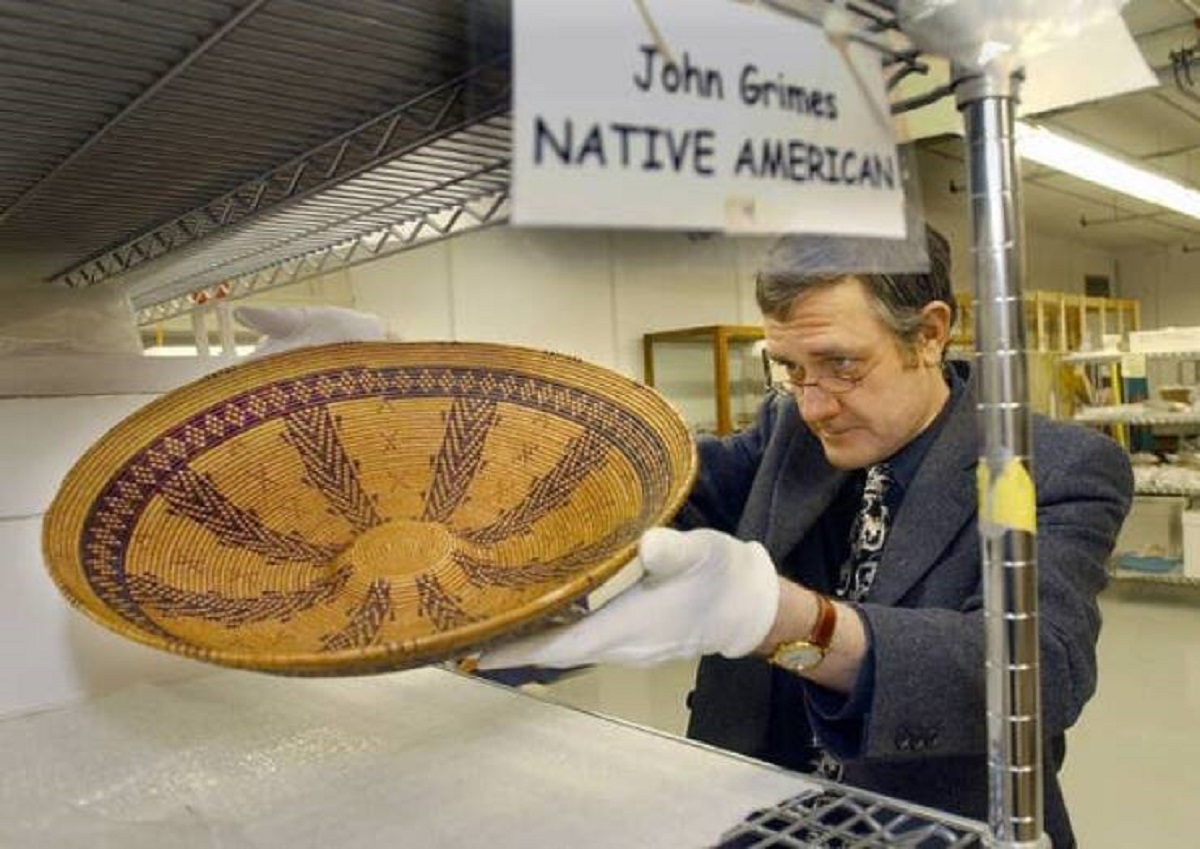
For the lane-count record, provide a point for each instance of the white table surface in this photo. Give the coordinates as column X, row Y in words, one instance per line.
column 423, row 758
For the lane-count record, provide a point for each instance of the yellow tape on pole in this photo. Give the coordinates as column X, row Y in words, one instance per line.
column 1010, row 501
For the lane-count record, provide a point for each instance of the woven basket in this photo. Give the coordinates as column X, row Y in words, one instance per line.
column 365, row 507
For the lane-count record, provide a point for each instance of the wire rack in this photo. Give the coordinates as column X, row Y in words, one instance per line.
column 844, row 818
column 219, row 148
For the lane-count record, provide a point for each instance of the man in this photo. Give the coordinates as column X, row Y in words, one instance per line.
column 848, row 638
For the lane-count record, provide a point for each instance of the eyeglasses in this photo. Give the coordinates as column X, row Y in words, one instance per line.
column 840, row 379
column 829, row 385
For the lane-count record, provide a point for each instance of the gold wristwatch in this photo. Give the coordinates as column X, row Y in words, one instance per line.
column 803, row 655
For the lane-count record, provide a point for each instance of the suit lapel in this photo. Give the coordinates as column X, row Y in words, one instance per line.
column 806, row 485
column 941, row 499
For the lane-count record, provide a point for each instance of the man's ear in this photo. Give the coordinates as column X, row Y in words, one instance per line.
column 935, row 332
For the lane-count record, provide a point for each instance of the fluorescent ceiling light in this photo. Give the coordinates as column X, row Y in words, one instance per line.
column 188, row 350
column 1063, row 154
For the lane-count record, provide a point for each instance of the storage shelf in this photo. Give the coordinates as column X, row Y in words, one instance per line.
column 1187, row 492
column 1096, row 358
column 1101, row 357
column 1138, row 418
column 248, row 144
column 1058, row 322
column 1166, row 579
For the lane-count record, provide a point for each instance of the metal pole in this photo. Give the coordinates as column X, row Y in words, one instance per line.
column 1007, row 504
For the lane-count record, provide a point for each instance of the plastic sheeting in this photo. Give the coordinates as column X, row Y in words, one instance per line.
column 421, row 758
column 41, row 319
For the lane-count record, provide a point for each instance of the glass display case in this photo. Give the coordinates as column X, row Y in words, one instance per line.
column 715, row 374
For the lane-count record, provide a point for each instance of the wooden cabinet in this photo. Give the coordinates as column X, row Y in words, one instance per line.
column 719, row 342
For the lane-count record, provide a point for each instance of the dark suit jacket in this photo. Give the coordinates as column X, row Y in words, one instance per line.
column 924, row 733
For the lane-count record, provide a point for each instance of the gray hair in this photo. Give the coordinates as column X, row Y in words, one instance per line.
column 902, row 276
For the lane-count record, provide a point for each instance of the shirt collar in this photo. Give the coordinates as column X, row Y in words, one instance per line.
column 905, row 462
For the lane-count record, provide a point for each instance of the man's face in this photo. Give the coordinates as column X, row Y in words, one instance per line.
column 833, row 335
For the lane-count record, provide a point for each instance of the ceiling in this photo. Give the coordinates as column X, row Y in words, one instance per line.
column 174, row 147
column 1158, row 128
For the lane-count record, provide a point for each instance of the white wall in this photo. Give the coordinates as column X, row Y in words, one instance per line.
column 1055, row 262
column 594, row 293
column 588, row 293
column 1166, row 281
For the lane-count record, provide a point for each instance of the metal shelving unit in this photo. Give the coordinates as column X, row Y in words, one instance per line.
column 1102, row 357
column 216, row 149
column 220, row 147
column 1167, row 579
column 1122, row 418
column 1185, row 492
column 1102, row 416
column 837, row 816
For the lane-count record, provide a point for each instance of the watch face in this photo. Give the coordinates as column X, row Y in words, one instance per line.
column 799, row 656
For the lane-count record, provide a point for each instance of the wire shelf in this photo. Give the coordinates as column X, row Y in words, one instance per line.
column 1107, row 418
column 240, row 144
column 1150, row 489
column 1173, row 579
column 843, row 818
column 1102, row 357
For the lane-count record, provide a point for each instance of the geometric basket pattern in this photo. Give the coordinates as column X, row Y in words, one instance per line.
column 365, row 507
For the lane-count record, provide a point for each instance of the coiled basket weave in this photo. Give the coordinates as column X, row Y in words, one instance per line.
column 365, row 507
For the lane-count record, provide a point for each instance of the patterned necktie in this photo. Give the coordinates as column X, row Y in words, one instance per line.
column 867, row 535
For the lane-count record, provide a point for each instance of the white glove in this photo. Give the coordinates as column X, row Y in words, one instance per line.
column 704, row 592
column 286, row 328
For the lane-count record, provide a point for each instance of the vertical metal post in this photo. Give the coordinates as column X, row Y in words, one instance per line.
column 1007, row 504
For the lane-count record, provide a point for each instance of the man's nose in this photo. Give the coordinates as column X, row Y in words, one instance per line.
column 817, row 405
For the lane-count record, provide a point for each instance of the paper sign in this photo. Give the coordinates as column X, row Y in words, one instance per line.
column 697, row 115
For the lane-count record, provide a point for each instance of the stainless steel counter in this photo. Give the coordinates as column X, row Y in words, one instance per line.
column 421, row 758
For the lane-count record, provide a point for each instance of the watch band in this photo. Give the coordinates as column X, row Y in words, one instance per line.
column 822, row 632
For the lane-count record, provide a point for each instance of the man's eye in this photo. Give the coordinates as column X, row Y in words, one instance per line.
column 843, row 366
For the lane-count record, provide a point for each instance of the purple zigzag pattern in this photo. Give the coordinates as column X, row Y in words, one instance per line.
column 366, row 620
column 481, row 574
column 195, row 496
column 108, row 530
column 460, row 455
column 313, row 433
column 173, row 602
column 548, row 492
column 438, row 606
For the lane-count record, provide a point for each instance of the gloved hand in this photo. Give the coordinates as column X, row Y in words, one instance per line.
column 704, row 592
column 286, row 328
